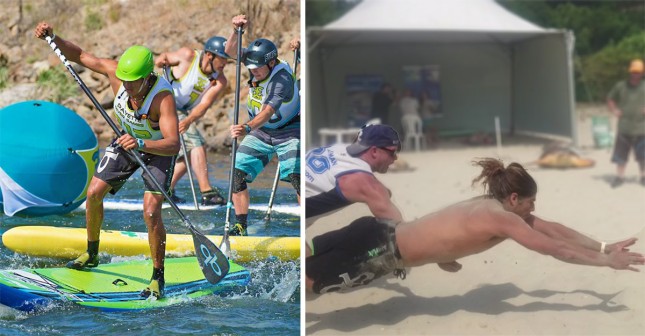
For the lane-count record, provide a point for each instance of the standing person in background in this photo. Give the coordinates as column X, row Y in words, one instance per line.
column 626, row 101
column 145, row 109
column 409, row 104
column 273, row 128
column 381, row 102
column 197, row 79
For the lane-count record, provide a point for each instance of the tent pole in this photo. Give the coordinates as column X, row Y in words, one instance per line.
column 513, row 100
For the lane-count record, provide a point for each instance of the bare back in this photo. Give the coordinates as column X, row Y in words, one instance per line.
column 457, row 231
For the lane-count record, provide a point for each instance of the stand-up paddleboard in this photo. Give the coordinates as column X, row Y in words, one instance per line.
column 57, row 242
column 134, row 205
column 113, row 287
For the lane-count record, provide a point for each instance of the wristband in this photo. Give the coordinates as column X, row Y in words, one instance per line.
column 53, row 36
column 140, row 143
column 247, row 128
column 602, row 247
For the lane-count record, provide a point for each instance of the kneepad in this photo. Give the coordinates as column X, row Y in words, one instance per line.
column 295, row 182
column 239, row 181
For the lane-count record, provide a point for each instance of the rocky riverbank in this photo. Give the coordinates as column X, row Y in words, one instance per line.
column 106, row 28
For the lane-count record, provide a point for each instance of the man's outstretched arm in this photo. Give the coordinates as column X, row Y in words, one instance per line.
column 561, row 232
column 512, row 226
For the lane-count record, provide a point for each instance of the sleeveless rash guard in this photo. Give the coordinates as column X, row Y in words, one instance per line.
column 287, row 111
column 126, row 117
column 189, row 89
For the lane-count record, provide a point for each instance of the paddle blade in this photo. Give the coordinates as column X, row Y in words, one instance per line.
column 212, row 261
column 225, row 245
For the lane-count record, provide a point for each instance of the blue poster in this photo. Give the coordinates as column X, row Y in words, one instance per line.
column 360, row 89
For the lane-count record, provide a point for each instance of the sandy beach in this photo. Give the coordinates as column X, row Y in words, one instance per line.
column 507, row 290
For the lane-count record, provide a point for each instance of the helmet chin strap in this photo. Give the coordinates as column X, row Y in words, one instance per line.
column 143, row 85
column 271, row 67
column 210, row 62
column 212, row 65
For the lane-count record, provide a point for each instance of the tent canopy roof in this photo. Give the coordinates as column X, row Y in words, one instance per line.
column 399, row 21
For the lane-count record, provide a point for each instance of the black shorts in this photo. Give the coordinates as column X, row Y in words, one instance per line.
column 624, row 143
column 353, row 256
column 116, row 167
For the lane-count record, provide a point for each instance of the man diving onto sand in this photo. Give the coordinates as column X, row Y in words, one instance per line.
column 368, row 249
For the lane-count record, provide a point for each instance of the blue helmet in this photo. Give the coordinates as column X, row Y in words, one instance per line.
column 260, row 52
column 216, row 45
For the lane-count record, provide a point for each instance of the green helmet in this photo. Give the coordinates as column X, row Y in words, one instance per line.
column 216, row 46
column 260, row 52
column 135, row 63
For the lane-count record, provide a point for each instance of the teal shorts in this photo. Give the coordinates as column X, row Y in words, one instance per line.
column 254, row 154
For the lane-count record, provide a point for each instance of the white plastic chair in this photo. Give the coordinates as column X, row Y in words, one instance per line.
column 375, row 121
column 413, row 130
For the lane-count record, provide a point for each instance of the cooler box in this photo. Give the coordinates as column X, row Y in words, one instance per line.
column 601, row 130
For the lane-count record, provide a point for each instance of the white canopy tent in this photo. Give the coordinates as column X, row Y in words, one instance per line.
column 492, row 64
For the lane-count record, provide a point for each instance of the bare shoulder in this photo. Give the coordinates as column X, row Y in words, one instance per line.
column 163, row 101
column 491, row 214
column 221, row 78
column 357, row 177
column 186, row 54
column 361, row 185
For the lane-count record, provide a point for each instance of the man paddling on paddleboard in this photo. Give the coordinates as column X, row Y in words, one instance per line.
column 145, row 108
column 274, row 122
column 197, row 79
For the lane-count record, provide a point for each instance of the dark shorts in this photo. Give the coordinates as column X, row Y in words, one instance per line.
column 624, row 143
column 116, row 167
column 353, row 256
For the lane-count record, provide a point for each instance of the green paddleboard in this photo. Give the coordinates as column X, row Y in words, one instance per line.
column 114, row 286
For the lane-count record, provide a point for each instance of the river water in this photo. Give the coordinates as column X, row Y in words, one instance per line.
column 270, row 305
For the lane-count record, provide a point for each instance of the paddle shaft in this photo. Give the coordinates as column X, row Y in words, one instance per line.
column 295, row 61
column 190, row 174
column 225, row 244
column 211, row 259
column 276, row 179
column 166, row 74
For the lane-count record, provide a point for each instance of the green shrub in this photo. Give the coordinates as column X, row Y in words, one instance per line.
column 600, row 71
column 114, row 13
column 93, row 21
column 57, row 83
column 4, row 77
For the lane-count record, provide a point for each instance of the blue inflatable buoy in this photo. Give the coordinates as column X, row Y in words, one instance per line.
column 48, row 155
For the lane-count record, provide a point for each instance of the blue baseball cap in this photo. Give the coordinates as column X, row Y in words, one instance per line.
column 377, row 135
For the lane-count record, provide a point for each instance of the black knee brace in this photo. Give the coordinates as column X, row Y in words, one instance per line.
column 239, row 181
column 295, row 182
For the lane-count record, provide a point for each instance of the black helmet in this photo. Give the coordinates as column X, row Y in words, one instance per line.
column 216, row 46
column 260, row 52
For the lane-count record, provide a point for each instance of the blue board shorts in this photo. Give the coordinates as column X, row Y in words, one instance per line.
column 254, row 154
